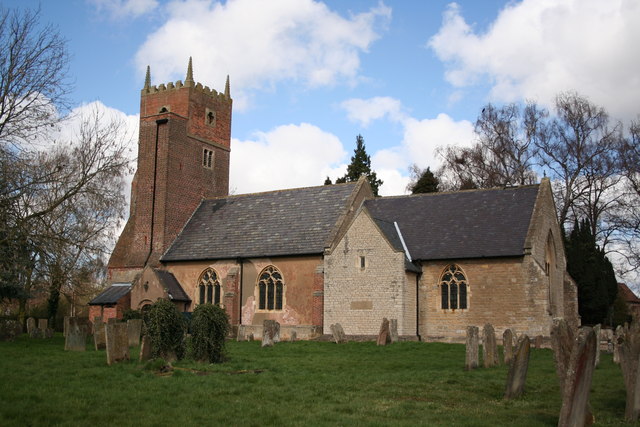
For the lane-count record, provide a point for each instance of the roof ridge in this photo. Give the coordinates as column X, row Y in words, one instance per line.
column 471, row 190
column 282, row 190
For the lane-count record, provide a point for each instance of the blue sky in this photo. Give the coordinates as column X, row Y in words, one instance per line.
column 308, row 76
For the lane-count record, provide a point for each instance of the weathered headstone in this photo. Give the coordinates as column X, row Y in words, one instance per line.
column 518, row 368
column 10, row 329
column 76, row 335
column 473, row 339
column 489, row 347
column 31, row 325
column 99, row 336
column 145, row 349
column 65, row 325
column 294, row 336
column 276, row 332
column 393, row 330
column 618, row 339
column 250, row 337
column 134, row 328
column 268, row 331
column 562, row 344
column 96, row 321
column 117, row 342
column 384, row 336
column 43, row 324
column 575, row 409
column 338, row 333
column 629, row 351
column 241, row 334
column 596, row 330
column 539, row 341
column 48, row 333
column 507, row 345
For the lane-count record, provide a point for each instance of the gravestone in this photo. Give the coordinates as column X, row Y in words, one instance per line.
column 539, row 341
column 117, row 342
column 241, row 334
column 250, row 337
column 384, row 336
column 393, row 330
column 145, row 349
column 9, row 329
column 489, row 347
column 518, row 368
column 575, row 409
column 562, row 344
column 618, row 339
column 596, row 330
column 48, row 333
column 507, row 345
column 338, row 333
column 268, row 331
column 629, row 351
column 473, row 339
column 294, row 336
column 134, row 328
column 76, row 335
column 99, row 336
column 31, row 325
column 36, row 333
column 65, row 325
column 96, row 321
column 276, row 332
column 43, row 325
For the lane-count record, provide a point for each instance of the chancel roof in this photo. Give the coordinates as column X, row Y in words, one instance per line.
column 464, row 224
column 112, row 294
column 287, row 222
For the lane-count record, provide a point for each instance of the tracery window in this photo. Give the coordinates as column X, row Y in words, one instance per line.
column 270, row 289
column 209, row 288
column 453, row 288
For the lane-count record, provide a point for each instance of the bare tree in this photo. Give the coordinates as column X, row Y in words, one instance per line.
column 33, row 76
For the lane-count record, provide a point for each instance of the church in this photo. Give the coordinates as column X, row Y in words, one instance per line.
column 312, row 257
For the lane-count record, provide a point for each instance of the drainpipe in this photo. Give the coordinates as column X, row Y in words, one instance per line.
column 241, row 262
column 418, row 305
column 153, row 191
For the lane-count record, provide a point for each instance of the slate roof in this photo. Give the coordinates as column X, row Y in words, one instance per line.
column 112, row 294
column 176, row 293
column 389, row 230
column 464, row 224
column 288, row 222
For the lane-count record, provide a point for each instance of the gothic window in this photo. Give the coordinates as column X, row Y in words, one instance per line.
column 270, row 289
column 453, row 288
column 207, row 158
column 209, row 288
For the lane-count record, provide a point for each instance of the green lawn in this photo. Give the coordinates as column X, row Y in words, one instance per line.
column 302, row 383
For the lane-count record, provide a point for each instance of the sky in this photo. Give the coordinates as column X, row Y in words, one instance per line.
column 308, row 76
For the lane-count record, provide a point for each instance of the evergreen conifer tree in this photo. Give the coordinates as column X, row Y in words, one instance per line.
column 426, row 183
column 361, row 165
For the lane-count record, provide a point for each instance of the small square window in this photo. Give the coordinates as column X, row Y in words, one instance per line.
column 210, row 117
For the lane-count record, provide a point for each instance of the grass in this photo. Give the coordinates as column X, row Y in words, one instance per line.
column 301, row 383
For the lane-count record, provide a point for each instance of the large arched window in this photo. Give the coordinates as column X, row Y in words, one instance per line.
column 270, row 289
column 453, row 288
column 209, row 288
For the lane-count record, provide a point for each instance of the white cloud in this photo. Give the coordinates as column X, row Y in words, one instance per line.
column 538, row 48
column 260, row 43
column 364, row 111
column 285, row 157
column 118, row 9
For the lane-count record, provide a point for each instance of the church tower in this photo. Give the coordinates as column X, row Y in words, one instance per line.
column 183, row 156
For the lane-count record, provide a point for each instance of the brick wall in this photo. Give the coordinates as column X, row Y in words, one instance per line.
column 358, row 298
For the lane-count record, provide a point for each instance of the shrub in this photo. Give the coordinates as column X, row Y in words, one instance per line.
column 131, row 314
column 165, row 327
column 209, row 329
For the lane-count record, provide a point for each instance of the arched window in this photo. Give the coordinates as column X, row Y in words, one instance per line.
column 209, row 288
column 453, row 288
column 270, row 289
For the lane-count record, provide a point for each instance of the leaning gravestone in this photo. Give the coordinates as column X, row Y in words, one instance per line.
column 471, row 361
column 489, row 347
column 562, row 344
column 76, row 335
column 518, row 368
column 384, row 336
column 575, row 409
column 268, row 331
column 134, row 328
column 393, row 330
column 145, row 349
column 31, row 325
column 338, row 333
column 99, row 336
column 507, row 345
column 117, row 342
column 596, row 330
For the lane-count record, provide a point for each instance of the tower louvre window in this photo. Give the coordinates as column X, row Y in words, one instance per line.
column 207, row 158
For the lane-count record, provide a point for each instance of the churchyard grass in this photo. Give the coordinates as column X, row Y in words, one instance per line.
column 301, row 383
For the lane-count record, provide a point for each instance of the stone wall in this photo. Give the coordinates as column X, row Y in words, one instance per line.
column 359, row 297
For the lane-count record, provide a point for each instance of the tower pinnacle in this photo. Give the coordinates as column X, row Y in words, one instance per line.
column 227, row 90
column 189, row 80
column 147, row 79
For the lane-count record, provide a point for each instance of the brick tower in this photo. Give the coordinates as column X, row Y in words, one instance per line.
column 183, row 156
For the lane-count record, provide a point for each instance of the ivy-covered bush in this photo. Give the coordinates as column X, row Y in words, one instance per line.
column 165, row 327
column 209, row 329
